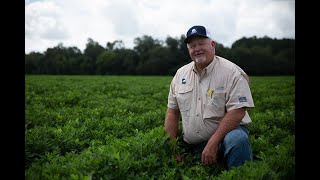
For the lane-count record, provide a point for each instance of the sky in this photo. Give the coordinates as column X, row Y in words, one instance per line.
column 72, row 22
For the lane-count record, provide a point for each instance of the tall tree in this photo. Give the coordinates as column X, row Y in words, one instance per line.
column 92, row 51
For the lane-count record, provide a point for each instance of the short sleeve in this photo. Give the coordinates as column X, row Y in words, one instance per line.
column 172, row 101
column 239, row 93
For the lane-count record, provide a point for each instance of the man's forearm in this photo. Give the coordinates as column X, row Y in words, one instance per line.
column 172, row 122
column 231, row 120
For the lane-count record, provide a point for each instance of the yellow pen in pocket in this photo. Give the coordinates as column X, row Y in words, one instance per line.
column 210, row 91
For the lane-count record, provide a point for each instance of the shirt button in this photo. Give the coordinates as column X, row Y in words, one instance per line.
column 197, row 114
column 199, row 99
column 198, row 131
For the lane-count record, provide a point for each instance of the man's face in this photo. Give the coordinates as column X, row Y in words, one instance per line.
column 201, row 50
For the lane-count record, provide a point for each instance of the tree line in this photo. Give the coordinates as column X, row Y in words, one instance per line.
column 149, row 56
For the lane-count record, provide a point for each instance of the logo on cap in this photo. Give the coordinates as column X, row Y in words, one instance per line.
column 193, row 31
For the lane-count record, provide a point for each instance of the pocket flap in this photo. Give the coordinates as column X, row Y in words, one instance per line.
column 183, row 89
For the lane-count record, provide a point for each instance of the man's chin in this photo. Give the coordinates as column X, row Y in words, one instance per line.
column 200, row 60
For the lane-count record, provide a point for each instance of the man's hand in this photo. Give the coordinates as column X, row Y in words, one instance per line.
column 209, row 154
column 229, row 122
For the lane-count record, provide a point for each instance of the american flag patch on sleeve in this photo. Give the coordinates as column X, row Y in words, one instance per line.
column 242, row 99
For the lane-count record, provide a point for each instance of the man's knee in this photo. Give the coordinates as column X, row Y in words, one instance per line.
column 236, row 137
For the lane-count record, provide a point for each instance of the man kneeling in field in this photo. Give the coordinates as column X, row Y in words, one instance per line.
column 212, row 95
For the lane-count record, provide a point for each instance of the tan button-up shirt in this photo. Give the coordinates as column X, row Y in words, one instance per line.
column 203, row 99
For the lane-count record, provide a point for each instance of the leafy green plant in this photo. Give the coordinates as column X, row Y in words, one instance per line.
column 112, row 127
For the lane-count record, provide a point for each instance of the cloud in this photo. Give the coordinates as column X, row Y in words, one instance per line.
column 123, row 18
column 43, row 19
column 271, row 18
column 43, row 24
column 72, row 22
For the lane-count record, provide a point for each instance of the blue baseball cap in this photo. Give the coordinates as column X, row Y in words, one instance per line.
column 197, row 31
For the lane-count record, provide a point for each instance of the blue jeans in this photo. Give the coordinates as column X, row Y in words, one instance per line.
column 234, row 149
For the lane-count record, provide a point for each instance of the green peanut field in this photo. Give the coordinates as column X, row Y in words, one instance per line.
column 112, row 127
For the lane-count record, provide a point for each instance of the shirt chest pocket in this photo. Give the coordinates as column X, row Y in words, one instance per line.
column 215, row 106
column 184, row 97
